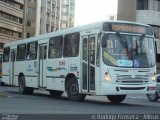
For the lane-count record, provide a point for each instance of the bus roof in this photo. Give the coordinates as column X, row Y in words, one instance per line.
column 70, row 30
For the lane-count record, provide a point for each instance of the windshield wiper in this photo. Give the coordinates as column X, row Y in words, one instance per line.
column 141, row 40
column 122, row 39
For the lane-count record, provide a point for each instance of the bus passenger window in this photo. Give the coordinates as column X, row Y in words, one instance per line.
column 21, row 52
column 32, row 51
column 55, row 47
column 71, row 45
column 45, row 52
column 6, row 54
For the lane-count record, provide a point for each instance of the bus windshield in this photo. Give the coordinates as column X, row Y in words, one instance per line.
column 124, row 50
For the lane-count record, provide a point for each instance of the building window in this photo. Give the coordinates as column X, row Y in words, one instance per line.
column 10, row 17
column 28, row 35
column 10, row 33
column 16, row 34
column 6, row 31
column 31, row 11
column 20, row 35
column 142, row 4
column 65, row 2
column 28, row 23
column 21, row 7
column 20, row 20
column 64, row 25
column 32, row 0
column 47, row 28
column 52, row 28
column 10, row 2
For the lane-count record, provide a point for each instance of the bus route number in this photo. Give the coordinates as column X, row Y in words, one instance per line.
column 61, row 63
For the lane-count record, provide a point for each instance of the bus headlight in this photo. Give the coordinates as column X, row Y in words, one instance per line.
column 107, row 76
column 153, row 77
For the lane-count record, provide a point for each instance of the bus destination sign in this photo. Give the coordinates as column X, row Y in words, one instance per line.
column 128, row 28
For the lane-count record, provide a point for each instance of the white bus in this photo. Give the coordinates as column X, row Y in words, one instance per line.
column 112, row 59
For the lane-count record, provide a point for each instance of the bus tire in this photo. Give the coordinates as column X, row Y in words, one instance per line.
column 22, row 86
column 116, row 98
column 153, row 97
column 55, row 93
column 2, row 83
column 73, row 90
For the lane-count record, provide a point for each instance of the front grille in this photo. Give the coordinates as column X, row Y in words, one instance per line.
column 129, row 79
column 132, row 88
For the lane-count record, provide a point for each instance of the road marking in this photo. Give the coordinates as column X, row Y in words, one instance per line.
column 138, row 96
column 10, row 96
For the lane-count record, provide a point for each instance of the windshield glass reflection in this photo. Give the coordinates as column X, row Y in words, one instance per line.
column 128, row 51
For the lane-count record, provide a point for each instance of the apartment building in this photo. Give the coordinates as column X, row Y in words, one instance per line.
column 43, row 16
column 143, row 11
column 67, row 13
column 11, row 20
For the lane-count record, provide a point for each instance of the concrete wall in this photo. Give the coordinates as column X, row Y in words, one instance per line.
column 126, row 10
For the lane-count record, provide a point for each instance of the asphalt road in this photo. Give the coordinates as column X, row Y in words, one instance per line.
column 11, row 101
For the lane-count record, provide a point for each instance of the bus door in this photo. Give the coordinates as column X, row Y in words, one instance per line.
column 88, row 64
column 12, row 65
column 42, row 64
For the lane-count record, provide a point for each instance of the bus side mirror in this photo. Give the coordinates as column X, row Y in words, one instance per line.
column 104, row 43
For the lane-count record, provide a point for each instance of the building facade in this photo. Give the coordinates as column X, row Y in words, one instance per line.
column 11, row 20
column 143, row 11
column 67, row 13
column 44, row 16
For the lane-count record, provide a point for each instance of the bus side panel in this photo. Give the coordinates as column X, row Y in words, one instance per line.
column 31, row 82
column 59, row 84
column 16, row 80
column 50, row 83
column 75, row 69
column 28, row 69
column 56, row 70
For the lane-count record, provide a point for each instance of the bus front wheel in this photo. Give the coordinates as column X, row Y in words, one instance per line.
column 73, row 90
column 22, row 86
column 116, row 98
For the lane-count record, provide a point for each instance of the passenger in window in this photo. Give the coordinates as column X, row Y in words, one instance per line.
column 74, row 45
column 28, row 55
column 52, row 53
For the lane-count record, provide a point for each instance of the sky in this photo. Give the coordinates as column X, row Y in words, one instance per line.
column 88, row 11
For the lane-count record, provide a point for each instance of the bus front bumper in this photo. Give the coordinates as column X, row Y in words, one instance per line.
column 118, row 89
